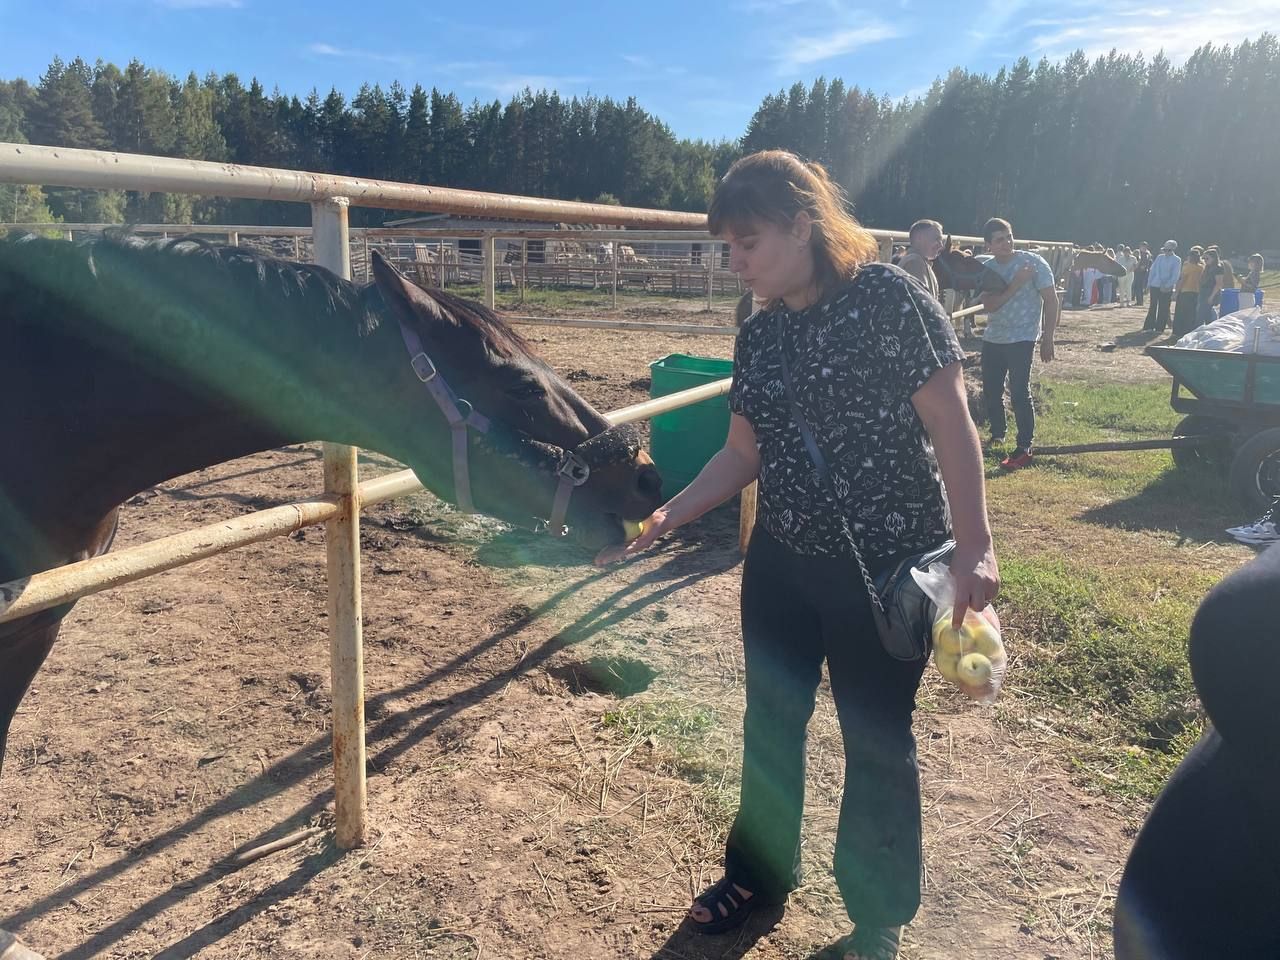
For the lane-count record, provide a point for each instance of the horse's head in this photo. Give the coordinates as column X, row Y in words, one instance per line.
column 530, row 440
column 1100, row 261
column 958, row 271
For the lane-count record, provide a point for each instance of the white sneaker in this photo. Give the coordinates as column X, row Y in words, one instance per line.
column 1262, row 530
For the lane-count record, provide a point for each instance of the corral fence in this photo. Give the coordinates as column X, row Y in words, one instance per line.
column 679, row 264
column 330, row 242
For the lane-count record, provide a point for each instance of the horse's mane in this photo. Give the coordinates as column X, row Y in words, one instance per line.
column 275, row 284
column 187, row 265
column 502, row 339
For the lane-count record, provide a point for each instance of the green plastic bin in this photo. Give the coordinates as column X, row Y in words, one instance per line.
column 682, row 441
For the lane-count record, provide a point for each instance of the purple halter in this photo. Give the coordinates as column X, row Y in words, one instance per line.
column 572, row 470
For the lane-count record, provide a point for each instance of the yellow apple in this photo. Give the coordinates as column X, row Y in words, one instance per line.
column 981, row 637
column 975, row 670
column 946, row 639
column 632, row 529
column 948, row 665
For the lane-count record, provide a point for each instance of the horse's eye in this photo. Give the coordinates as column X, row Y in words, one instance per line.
column 528, row 390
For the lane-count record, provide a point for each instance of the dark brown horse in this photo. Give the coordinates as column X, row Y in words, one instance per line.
column 124, row 365
column 959, row 271
column 953, row 268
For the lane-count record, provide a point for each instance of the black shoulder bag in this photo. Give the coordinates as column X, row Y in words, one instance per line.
column 902, row 612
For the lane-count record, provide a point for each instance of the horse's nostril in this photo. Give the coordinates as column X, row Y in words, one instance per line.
column 649, row 481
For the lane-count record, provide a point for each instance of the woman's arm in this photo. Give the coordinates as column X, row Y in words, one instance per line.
column 943, row 408
column 732, row 468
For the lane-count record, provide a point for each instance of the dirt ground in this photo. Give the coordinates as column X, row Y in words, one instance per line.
column 513, row 810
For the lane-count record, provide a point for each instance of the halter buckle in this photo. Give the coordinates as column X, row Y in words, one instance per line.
column 423, row 367
column 573, row 469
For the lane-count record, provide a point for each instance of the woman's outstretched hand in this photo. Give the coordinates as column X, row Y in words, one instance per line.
column 653, row 527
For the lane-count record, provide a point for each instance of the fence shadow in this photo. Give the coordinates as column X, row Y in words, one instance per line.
column 390, row 737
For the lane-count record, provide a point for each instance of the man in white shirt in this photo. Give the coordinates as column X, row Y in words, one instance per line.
column 1161, row 281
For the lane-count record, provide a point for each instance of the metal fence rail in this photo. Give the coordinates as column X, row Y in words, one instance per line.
column 683, row 263
column 343, row 497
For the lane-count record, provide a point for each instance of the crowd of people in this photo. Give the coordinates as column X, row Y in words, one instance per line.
column 1186, row 294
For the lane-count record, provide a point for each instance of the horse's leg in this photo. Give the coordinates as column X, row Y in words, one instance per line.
column 22, row 655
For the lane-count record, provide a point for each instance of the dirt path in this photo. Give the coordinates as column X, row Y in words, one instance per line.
column 520, row 802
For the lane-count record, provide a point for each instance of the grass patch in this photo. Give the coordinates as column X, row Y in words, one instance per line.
column 685, row 738
column 1109, row 655
column 1074, row 412
column 679, row 727
column 1100, row 582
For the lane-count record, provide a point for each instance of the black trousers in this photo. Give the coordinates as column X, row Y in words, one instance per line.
column 1158, row 312
column 797, row 611
column 1184, row 313
column 1139, row 285
column 1011, row 361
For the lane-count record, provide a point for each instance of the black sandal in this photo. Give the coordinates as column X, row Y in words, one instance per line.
column 729, row 909
column 867, row 943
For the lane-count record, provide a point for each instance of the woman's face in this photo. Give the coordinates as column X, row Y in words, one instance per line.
column 775, row 262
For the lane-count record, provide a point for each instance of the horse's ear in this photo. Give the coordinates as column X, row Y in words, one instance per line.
column 402, row 294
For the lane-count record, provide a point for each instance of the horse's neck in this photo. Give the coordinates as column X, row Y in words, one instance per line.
column 103, row 427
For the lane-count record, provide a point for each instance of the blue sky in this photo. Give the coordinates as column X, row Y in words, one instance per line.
column 702, row 67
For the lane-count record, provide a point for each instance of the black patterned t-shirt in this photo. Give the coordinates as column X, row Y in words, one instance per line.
column 856, row 358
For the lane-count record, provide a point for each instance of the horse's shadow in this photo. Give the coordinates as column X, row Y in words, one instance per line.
column 389, row 738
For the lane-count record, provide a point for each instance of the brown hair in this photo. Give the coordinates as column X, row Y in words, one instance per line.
column 923, row 225
column 773, row 186
column 995, row 225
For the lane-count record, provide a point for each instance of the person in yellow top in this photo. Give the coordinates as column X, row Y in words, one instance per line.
column 1188, row 302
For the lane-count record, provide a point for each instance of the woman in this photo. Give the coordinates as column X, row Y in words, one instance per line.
column 1210, row 287
column 1252, row 281
column 1126, row 259
column 1188, row 301
column 876, row 371
column 1140, row 273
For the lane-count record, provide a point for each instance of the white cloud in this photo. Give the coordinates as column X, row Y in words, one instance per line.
column 1177, row 32
column 200, row 4
column 636, row 60
column 354, row 53
column 801, row 51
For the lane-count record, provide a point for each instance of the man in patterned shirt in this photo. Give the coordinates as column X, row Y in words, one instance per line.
column 1018, row 316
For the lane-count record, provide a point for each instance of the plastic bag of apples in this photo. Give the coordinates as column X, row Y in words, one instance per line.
column 972, row 657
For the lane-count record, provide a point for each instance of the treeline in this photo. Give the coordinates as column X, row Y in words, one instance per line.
column 538, row 144
column 1114, row 149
